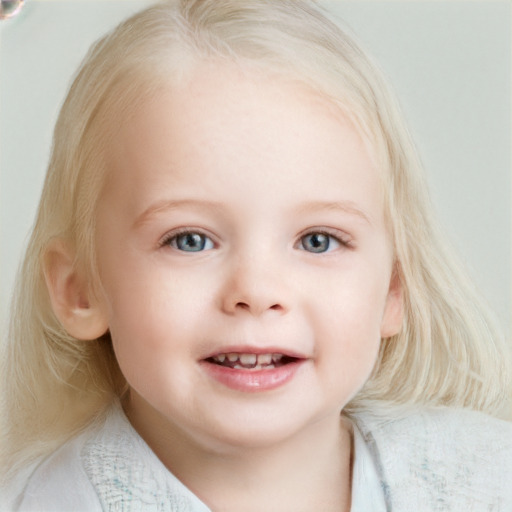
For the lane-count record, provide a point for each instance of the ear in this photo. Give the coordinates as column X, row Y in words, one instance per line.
column 394, row 308
column 81, row 315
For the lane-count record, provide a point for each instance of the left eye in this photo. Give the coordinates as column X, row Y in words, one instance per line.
column 190, row 242
column 319, row 242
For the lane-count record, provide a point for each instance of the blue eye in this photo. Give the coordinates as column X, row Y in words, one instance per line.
column 190, row 241
column 318, row 242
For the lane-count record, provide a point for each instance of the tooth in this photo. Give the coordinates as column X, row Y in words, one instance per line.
column 277, row 357
column 232, row 357
column 239, row 367
column 264, row 359
column 220, row 358
column 248, row 359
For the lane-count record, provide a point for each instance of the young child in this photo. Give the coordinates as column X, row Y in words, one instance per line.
column 233, row 246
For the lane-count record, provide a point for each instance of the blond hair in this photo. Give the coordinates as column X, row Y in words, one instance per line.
column 448, row 352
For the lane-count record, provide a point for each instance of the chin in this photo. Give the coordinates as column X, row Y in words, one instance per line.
column 257, row 431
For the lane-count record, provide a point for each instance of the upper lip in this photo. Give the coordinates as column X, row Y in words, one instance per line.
column 248, row 349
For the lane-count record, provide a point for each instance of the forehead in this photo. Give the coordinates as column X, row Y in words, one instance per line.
column 231, row 124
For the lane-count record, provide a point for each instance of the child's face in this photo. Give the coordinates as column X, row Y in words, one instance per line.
column 243, row 215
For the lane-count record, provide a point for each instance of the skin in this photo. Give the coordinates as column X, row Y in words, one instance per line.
column 255, row 166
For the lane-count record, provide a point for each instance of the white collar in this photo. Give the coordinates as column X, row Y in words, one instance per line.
column 367, row 484
column 128, row 476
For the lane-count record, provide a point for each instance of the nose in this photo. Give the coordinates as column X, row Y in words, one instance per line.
column 255, row 287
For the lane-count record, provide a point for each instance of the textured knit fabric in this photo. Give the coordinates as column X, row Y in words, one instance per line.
column 427, row 460
column 441, row 459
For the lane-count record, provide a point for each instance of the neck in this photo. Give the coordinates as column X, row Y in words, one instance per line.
column 311, row 471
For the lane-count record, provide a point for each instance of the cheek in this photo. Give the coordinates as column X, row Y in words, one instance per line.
column 355, row 298
column 154, row 311
column 152, row 334
column 352, row 331
column 349, row 321
column 348, row 360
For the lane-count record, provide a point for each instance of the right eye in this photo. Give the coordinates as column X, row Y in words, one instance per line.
column 189, row 241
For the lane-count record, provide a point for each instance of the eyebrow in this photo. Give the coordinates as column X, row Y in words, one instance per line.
column 309, row 207
column 169, row 205
column 341, row 206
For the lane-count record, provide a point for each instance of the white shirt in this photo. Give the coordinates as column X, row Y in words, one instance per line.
column 429, row 460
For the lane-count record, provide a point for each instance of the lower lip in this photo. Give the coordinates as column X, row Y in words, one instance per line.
column 251, row 381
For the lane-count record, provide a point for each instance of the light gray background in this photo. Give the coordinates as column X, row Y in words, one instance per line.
column 449, row 62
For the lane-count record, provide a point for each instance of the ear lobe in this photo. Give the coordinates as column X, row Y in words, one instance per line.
column 394, row 308
column 81, row 315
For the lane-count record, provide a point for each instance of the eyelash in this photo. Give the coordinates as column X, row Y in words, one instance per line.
column 173, row 236
column 342, row 239
column 170, row 240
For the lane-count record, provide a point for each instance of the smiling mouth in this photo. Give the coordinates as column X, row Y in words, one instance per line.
column 243, row 361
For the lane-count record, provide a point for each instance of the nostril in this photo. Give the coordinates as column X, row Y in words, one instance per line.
column 245, row 306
